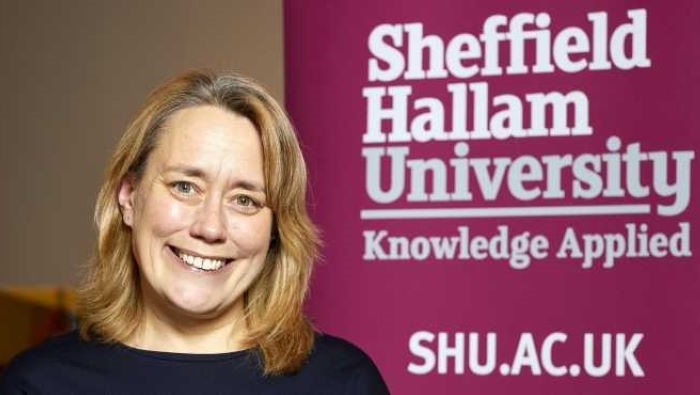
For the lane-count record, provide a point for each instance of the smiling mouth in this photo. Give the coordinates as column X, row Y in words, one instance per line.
column 209, row 264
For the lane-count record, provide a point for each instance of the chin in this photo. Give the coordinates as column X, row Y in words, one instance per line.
column 195, row 305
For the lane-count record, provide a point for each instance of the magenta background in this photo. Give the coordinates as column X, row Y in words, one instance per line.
column 379, row 304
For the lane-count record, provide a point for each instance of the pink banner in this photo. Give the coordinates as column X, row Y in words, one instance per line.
column 505, row 190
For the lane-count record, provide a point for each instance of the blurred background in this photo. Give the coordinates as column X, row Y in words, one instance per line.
column 72, row 74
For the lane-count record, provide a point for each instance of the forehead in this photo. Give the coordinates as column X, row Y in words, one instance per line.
column 211, row 139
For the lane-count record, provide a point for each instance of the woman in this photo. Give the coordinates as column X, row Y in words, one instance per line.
column 203, row 260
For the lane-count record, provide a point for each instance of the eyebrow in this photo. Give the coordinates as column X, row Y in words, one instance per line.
column 196, row 172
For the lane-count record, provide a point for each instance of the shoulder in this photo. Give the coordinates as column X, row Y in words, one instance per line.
column 27, row 370
column 342, row 364
column 49, row 351
column 331, row 347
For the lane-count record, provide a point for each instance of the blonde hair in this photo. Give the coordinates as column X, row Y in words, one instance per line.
column 109, row 300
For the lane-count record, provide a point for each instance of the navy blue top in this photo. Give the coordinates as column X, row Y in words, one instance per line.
column 69, row 365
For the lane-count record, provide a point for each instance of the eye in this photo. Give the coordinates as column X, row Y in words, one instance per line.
column 245, row 201
column 246, row 204
column 183, row 187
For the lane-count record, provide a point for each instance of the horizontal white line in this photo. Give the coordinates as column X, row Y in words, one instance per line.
column 487, row 212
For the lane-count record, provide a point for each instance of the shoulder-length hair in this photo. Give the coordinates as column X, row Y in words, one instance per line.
column 109, row 301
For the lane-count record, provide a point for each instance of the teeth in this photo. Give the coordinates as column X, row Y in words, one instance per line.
column 202, row 263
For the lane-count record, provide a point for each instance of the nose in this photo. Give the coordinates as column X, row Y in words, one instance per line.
column 209, row 224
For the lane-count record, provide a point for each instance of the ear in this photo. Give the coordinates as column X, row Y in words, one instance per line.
column 126, row 196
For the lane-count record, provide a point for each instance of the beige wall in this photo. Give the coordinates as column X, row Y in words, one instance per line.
column 72, row 74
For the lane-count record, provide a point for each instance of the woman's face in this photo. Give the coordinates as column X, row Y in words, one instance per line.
column 200, row 225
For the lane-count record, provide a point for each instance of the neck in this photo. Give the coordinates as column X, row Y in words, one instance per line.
column 162, row 329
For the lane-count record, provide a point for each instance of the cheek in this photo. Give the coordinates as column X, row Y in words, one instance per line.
column 252, row 234
column 166, row 215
